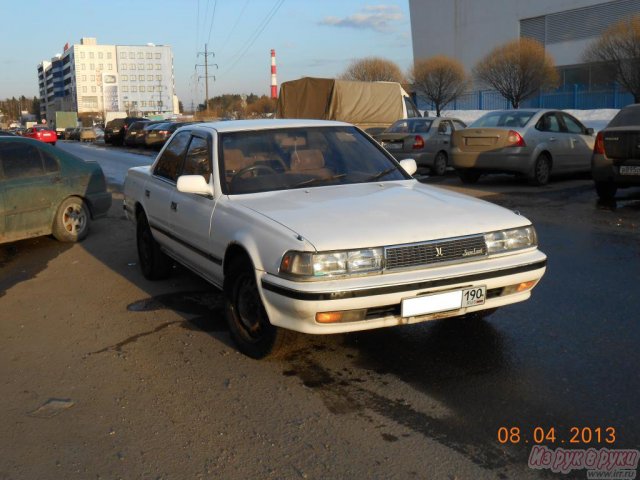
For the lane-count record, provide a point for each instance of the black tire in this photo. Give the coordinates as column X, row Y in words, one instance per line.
column 246, row 317
column 469, row 176
column 439, row 164
column 541, row 170
column 72, row 220
column 154, row 263
column 606, row 190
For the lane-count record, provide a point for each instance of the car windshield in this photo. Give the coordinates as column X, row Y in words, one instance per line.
column 510, row 118
column 283, row 159
column 626, row 117
column 410, row 126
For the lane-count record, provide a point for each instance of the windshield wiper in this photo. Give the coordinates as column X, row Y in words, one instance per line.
column 382, row 174
column 317, row 180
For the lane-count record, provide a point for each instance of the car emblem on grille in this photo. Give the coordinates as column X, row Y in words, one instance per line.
column 439, row 252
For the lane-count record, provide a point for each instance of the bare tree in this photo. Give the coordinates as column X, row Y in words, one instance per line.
column 440, row 79
column 373, row 69
column 517, row 70
column 619, row 46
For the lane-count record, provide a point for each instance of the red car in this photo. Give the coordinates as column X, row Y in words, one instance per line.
column 42, row 133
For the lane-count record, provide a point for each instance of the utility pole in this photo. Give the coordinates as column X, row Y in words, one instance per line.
column 206, row 74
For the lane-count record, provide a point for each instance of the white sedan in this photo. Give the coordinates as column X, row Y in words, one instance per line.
column 311, row 226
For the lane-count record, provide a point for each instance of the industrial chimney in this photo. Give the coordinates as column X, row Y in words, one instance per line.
column 274, row 84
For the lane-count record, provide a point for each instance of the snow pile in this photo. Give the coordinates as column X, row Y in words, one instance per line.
column 596, row 119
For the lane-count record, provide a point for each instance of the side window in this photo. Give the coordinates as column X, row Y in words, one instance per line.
column 549, row 123
column 20, row 160
column 573, row 126
column 411, row 110
column 50, row 163
column 458, row 125
column 444, row 127
column 170, row 162
column 197, row 161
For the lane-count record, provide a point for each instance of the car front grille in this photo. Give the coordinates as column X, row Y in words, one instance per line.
column 452, row 250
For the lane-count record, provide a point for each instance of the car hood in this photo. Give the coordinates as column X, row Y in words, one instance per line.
column 378, row 214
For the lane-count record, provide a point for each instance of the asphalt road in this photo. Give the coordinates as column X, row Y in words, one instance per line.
column 155, row 388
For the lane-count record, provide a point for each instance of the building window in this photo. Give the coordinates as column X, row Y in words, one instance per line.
column 142, row 88
column 157, row 56
column 100, row 66
column 125, row 77
column 99, row 54
column 83, row 66
column 126, row 104
column 123, row 55
column 158, row 67
column 149, row 55
column 84, row 78
column 90, row 54
column 141, row 78
column 84, row 89
column 93, row 78
column 134, row 89
column 141, row 66
column 140, row 55
column 93, row 89
column 109, row 66
column 81, row 54
column 149, row 78
column 109, row 55
column 123, row 66
column 143, row 103
column 159, row 78
column 132, row 66
column 125, row 89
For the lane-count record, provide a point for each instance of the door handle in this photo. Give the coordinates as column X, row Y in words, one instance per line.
column 147, row 193
column 174, row 206
column 552, row 139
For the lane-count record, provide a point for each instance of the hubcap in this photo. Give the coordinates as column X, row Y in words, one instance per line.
column 249, row 308
column 74, row 219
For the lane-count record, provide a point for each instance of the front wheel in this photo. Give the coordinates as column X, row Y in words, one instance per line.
column 71, row 223
column 247, row 319
column 154, row 263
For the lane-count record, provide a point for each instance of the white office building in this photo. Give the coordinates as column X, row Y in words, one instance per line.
column 89, row 78
column 467, row 30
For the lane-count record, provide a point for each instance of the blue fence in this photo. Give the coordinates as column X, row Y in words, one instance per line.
column 572, row 98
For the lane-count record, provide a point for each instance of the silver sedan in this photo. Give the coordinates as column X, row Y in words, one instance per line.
column 426, row 140
column 531, row 143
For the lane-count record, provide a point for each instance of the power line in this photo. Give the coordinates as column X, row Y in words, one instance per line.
column 213, row 14
column 233, row 29
column 256, row 34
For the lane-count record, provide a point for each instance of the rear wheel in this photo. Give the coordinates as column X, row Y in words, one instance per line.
column 606, row 190
column 71, row 223
column 541, row 170
column 469, row 176
column 439, row 164
column 154, row 263
column 247, row 319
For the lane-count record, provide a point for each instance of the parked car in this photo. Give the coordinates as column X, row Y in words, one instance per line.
column 531, row 143
column 134, row 131
column 312, row 226
column 42, row 133
column 426, row 140
column 616, row 154
column 87, row 134
column 116, row 129
column 45, row 190
column 157, row 135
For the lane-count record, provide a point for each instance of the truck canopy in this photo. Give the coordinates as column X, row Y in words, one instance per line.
column 360, row 103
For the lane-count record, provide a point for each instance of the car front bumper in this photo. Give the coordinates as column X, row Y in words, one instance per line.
column 294, row 305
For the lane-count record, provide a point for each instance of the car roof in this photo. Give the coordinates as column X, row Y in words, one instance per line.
column 268, row 124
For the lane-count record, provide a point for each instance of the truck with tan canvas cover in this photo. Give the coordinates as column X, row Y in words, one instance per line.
column 372, row 106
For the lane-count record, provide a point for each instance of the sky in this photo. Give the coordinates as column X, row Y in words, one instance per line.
column 311, row 37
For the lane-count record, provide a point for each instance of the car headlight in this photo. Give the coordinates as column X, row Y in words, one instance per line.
column 513, row 239
column 325, row 264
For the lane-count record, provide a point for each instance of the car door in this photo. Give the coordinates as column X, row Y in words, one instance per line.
column 191, row 215
column 550, row 133
column 160, row 187
column 31, row 190
column 580, row 144
column 445, row 129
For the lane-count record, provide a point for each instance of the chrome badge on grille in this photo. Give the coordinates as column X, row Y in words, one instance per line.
column 451, row 250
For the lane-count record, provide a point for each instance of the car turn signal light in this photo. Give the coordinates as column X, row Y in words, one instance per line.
column 515, row 139
column 598, row 147
column 418, row 143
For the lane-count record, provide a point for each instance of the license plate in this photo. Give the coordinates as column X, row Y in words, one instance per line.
column 479, row 141
column 392, row 146
column 445, row 301
column 629, row 170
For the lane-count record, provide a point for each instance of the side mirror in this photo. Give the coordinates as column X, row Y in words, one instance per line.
column 590, row 131
column 409, row 165
column 195, row 184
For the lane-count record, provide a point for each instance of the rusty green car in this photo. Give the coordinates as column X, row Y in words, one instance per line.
column 44, row 190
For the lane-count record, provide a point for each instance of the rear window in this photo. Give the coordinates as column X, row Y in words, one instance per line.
column 627, row 117
column 410, row 126
column 510, row 118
